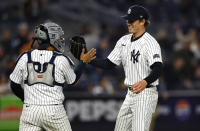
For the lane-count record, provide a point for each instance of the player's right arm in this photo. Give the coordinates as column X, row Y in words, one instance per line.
column 103, row 63
column 112, row 60
column 16, row 77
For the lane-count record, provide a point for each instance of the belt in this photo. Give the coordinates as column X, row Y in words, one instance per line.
column 148, row 86
column 27, row 105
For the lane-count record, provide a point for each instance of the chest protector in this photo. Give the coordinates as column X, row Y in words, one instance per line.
column 43, row 74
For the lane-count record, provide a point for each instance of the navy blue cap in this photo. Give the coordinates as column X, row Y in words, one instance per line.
column 136, row 12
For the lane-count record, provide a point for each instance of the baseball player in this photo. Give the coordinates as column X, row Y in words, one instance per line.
column 140, row 55
column 38, row 80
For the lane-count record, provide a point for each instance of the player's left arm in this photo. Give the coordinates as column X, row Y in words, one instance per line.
column 17, row 90
column 155, row 61
column 156, row 70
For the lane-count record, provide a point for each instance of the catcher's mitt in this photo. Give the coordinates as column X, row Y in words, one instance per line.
column 76, row 44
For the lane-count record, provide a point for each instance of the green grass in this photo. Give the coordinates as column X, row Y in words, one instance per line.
column 10, row 100
column 9, row 125
column 6, row 101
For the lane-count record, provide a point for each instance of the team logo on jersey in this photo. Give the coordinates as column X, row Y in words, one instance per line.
column 40, row 76
column 134, row 56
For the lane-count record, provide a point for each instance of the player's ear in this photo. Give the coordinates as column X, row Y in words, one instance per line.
column 142, row 21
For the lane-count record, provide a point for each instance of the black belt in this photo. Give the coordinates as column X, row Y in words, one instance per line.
column 148, row 86
column 27, row 105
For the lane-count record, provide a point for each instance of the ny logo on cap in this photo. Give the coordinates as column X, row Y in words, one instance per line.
column 129, row 11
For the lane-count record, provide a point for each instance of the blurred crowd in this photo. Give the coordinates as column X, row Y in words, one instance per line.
column 175, row 25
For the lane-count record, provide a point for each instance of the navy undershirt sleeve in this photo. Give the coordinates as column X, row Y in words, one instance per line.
column 155, row 73
column 103, row 63
column 17, row 90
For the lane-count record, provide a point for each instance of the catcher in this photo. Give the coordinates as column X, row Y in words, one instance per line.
column 39, row 76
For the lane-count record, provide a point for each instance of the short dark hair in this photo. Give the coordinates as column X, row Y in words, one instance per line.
column 147, row 23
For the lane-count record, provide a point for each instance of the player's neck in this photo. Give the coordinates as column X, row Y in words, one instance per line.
column 51, row 48
column 136, row 36
column 139, row 33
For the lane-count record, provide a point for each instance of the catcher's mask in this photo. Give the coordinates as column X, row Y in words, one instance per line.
column 50, row 33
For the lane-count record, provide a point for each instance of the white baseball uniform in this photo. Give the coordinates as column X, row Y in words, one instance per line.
column 42, row 74
column 136, row 57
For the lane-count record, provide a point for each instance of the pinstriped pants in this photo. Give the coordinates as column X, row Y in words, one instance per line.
column 44, row 117
column 136, row 111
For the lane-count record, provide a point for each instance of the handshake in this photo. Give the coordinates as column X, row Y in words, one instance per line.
column 78, row 48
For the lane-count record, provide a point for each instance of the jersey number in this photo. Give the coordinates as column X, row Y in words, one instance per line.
column 40, row 68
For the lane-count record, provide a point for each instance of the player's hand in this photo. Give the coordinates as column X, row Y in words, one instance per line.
column 139, row 86
column 89, row 56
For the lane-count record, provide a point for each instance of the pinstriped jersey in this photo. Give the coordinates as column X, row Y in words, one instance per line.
column 136, row 57
column 41, row 94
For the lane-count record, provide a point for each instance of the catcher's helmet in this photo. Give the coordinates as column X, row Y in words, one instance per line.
column 52, row 33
